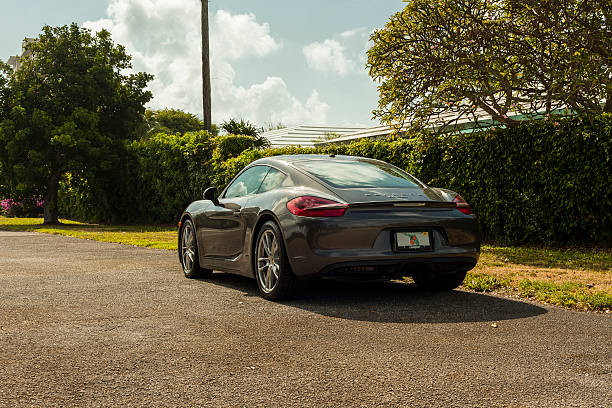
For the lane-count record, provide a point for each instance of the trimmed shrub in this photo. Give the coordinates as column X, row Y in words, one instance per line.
column 171, row 171
column 232, row 145
column 153, row 182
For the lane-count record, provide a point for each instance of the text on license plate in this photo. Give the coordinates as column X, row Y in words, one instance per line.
column 413, row 240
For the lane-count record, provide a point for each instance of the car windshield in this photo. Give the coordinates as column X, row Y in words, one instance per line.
column 357, row 173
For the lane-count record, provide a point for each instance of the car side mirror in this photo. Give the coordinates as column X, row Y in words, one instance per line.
column 211, row 194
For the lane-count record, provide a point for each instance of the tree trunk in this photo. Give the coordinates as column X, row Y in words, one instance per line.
column 50, row 205
column 608, row 105
column 206, row 68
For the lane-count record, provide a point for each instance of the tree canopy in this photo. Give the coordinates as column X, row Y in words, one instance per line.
column 72, row 105
column 441, row 60
column 171, row 121
column 244, row 128
column 5, row 72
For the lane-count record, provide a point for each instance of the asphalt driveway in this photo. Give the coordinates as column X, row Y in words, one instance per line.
column 85, row 323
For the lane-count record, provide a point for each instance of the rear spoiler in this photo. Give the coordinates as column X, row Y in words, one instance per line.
column 404, row 204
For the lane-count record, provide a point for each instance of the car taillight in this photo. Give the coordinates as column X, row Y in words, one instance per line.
column 307, row 206
column 462, row 205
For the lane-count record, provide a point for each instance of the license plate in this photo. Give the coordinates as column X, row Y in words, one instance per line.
column 413, row 241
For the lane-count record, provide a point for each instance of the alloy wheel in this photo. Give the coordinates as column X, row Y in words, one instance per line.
column 188, row 249
column 268, row 261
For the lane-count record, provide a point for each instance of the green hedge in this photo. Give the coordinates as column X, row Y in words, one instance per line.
column 153, row 181
column 171, row 172
column 540, row 182
column 232, row 145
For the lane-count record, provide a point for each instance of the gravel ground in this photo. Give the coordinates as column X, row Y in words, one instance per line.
column 85, row 323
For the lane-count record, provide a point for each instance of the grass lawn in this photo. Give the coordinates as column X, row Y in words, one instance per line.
column 160, row 237
column 579, row 278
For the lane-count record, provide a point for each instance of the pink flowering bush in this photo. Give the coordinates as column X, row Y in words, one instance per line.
column 25, row 208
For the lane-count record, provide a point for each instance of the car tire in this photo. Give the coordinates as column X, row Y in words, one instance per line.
column 273, row 274
column 447, row 281
column 188, row 253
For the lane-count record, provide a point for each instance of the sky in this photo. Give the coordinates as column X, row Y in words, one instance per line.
column 272, row 61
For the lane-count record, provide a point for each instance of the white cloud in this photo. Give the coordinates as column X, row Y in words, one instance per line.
column 353, row 32
column 164, row 38
column 342, row 54
column 239, row 36
column 270, row 101
column 328, row 56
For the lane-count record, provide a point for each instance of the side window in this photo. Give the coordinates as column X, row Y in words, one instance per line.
column 248, row 182
column 273, row 180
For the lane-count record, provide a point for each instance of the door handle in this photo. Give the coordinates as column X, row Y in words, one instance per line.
column 237, row 213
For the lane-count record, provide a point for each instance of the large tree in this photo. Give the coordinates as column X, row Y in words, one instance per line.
column 439, row 61
column 565, row 49
column 5, row 72
column 72, row 105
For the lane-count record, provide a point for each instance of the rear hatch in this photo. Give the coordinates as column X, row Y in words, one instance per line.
column 362, row 182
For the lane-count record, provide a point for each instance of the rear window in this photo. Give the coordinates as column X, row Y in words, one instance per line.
column 357, row 174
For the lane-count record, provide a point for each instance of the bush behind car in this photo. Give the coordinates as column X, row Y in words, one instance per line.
column 543, row 182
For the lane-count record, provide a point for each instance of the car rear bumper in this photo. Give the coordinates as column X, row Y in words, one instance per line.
column 398, row 267
column 390, row 266
column 361, row 244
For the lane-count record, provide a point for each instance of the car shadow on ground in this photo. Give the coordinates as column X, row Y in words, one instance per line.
column 392, row 302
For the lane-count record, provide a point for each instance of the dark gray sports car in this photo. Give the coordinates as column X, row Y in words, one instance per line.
column 288, row 218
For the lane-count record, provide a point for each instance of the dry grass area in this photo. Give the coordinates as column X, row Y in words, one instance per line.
column 591, row 267
column 578, row 278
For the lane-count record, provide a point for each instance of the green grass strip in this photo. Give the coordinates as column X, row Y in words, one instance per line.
column 570, row 294
column 159, row 237
column 571, row 258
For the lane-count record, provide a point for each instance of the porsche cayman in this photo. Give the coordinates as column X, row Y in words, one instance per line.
column 285, row 219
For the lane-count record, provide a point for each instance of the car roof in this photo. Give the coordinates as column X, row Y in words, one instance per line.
column 301, row 157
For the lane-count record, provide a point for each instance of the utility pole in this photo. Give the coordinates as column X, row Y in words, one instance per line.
column 206, row 67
